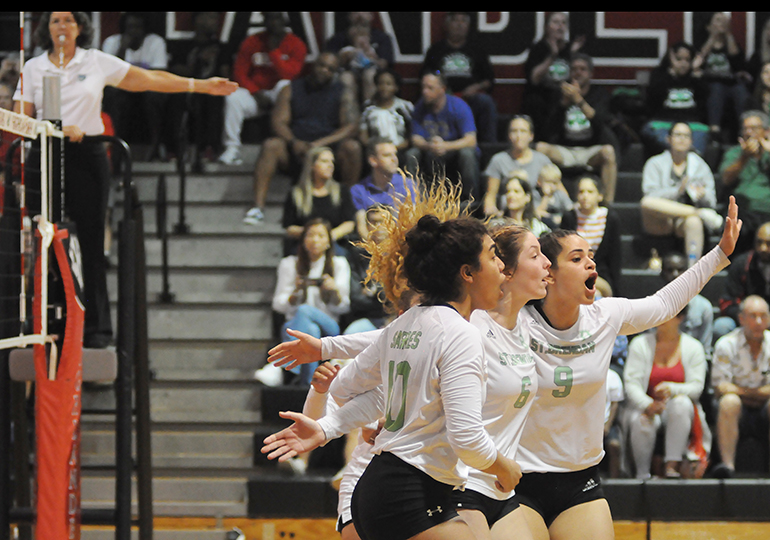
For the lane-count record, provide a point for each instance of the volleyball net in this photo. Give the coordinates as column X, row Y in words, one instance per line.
column 26, row 228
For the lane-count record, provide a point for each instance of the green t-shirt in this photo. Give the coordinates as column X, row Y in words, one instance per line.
column 753, row 181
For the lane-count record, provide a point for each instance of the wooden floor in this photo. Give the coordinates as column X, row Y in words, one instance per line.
column 323, row 529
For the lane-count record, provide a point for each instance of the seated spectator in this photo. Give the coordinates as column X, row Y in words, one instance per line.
column 205, row 56
column 600, row 225
column 551, row 198
column 383, row 186
column 760, row 97
column 664, row 377
column 723, row 67
column 741, row 380
column 679, row 193
column 137, row 46
column 314, row 110
column 699, row 321
column 675, row 94
column 547, row 67
column 367, row 311
column 468, row 71
column 362, row 50
column 265, row 63
column 444, row 137
column 385, row 115
column 748, row 275
column 744, row 171
column 519, row 158
column 761, row 54
column 312, row 291
column 577, row 134
column 10, row 69
column 319, row 195
column 520, row 208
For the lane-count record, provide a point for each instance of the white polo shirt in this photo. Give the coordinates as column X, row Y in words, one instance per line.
column 82, row 86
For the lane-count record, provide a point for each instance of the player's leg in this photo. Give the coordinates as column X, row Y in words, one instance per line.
column 477, row 521
column 349, row 532
column 454, row 529
column 513, row 525
column 534, row 522
column 588, row 521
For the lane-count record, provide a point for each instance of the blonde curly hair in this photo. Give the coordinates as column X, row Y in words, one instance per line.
column 386, row 265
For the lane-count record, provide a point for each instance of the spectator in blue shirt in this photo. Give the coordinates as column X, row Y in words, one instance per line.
column 382, row 186
column 444, row 137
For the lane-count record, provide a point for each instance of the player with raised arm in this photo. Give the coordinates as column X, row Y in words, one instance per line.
column 572, row 337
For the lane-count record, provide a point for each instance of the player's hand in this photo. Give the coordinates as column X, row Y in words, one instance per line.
column 323, row 376
column 507, row 471
column 369, row 434
column 732, row 228
column 509, row 478
column 302, row 436
column 290, row 354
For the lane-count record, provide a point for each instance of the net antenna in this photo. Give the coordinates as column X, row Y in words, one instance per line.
column 30, row 129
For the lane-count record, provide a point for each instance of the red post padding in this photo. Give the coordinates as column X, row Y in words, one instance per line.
column 58, row 405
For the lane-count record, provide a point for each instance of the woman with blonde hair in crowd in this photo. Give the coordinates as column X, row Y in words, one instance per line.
column 318, row 195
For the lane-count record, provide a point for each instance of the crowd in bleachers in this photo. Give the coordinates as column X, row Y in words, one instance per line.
column 697, row 132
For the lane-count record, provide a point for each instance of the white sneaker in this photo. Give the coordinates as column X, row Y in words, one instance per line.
column 231, row 156
column 269, row 375
column 254, row 216
column 711, row 218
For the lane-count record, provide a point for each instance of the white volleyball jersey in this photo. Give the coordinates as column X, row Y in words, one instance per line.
column 347, row 345
column 565, row 426
column 511, row 388
column 431, row 366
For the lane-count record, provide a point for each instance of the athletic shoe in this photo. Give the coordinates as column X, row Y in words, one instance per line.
column 297, row 466
column 231, row 156
column 254, row 216
column 269, row 375
column 235, row 534
column 722, row 471
column 711, row 218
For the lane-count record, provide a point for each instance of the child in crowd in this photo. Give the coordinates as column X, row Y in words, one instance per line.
column 551, row 197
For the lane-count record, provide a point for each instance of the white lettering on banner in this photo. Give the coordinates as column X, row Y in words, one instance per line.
column 18, row 124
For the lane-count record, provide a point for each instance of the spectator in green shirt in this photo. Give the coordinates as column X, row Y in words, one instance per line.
column 745, row 170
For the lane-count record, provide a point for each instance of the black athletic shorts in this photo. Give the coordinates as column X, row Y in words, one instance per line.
column 395, row 501
column 551, row 493
column 493, row 509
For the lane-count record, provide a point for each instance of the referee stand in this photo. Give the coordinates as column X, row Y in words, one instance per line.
column 127, row 368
